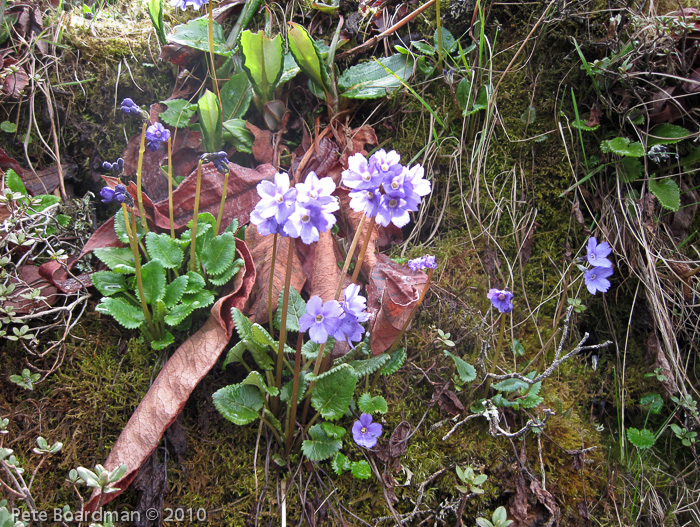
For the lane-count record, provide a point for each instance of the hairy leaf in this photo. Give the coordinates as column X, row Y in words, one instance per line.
column 118, row 259
column 369, row 405
column 398, row 357
column 239, row 403
column 174, row 291
column 370, row 80
column 108, row 282
column 127, row 314
column 163, row 248
column 320, row 446
column 361, row 469
column 219, row 253
column 465, row 371
column 333, row 393
column 667, row 192
column 295, row 309
column 642, row 439
column 308, row 56
column 153, row 278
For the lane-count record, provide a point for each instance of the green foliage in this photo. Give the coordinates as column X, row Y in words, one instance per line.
column 369, row 405
column 667, row 192
column 642, row 439
column 295, row 309
column 498, row 519
column 307, row 55
column 239, row 403
column 398, row 357
column 471, row 482
column 465, row 371
column 333, row 392
column 370, row 80
column 26, row 380
column 195, row 34
column 263, row 58
column 320, row 446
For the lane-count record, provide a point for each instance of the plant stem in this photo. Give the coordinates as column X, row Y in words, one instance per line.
column 497, row 353
column 283, row 322
column 139, row 169
column 292, row 416
column 130, row 227
column 170, row 187
column 223, row 202
column 348, row 258
column 361, row 256
column 413, row 313
column 193, row 241
column 269, row 287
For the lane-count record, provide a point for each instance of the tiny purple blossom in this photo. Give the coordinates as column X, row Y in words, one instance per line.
column 597, row 253
column 424, row 262
column 155, row 135
column 182, row 4
column 501, row 299
column 129, row 107
column 219, row 159
column 354, row 303
column 308, row 222
column 115, row 169
column 366, row 201
column 597, row 279
column 393, row 209
column 358, row 176
column 317, row 192
column 365, row 432
column 277, row 200
column 321, row 318
column 388, row 164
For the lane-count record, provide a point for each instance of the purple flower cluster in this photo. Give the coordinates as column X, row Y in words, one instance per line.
column 596, row 278
column 501, row 299
column 219, row 159
column 340, row 320
column 129, row 107
column 115, row 169
column 118, row 194
column 303, row 211
column 156, row 134
column 382, row 187
column 424, row 262
column 182, row 4
column 365, row 432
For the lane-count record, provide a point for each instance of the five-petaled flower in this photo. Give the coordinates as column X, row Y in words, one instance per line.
column 501, row 299
column 365, row 432
column 117, row 194
column 155, row 135
column 354, row 311
column 597, row 279
column 321, row 319
column 596, row 253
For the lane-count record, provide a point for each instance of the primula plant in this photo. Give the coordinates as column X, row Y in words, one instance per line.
column 322, row 372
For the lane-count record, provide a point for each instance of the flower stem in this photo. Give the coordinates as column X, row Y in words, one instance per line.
column 349, row 256
column 193, row 241
column 497, row 352
column 139, row 169
column 269, row 287
column 223, row 202
column 283, row 322
column 363, row 251
column 413, row 313
column 292, row 415
column 130, row 227
column 170, row 187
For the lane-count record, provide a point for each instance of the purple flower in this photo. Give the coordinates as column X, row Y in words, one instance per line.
column 366, row 201
column 115, row 169
column 321, row 319
column 424, row 262
column 308, row 222
column 358, row 176
column 385, row 163
column 365, row 432
column 182, row 4
column 155, row 135
column 393, row 209
column 118, row 194
column 129, row 107
column 501, row 299
column 597, row 279
column 317, row 192
column 277, row 202
column 597, row 253
column 354, row 311
column 220, row 160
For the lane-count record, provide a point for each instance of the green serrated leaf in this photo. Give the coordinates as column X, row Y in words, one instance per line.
column 398, row 357
column 308, row 56
column 14, row 183
column 120, row 228
column 200, row 299
column 109, row 283
column 163, row 248
column 320, row 446
column 254, row 378
column 118, row 259
column 518, row 348
column 244, row 327
column 581, row 125
column 653, row 402
column 622, row 146
column 295, row 309
column 174, row 291
column 448, row 44
column 370, row 80
column 153, row 278
column 530, row 400
column 225, row 277
column 179, row 313
column 262, row 337
column 361, row 469
column 195, row 34
column 219, row 253
column 164, row 342
column 286, row 391
column 262, row 61
column 369, row 366
column 510, row 385
column 642, row 439
column 465, row 371
column 333, row 393
column 235, row 354
column 127, row 314
column 239, row 403
column 179, row 112
column 310, row 349
column 332, row 430
column 667, row 192
column 424, row 47
column 630, row 169
column 340, row 463
column 8, row 126
column 369, row 405
column 195, row 282
column 666, row 134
